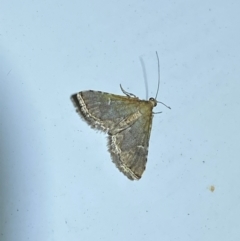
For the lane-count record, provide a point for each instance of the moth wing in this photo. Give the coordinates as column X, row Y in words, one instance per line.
column 129, row 148
column 102, row 110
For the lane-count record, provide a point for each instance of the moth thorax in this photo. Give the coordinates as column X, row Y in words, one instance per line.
column 153, row 101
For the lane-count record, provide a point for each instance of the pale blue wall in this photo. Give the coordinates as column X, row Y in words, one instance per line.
column 57, row 181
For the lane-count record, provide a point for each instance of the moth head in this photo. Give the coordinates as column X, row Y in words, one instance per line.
column 153, row 101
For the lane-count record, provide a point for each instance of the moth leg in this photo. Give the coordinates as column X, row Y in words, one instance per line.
column 127, row 93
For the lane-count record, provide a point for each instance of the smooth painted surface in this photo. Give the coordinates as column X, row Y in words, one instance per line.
column 57, row 181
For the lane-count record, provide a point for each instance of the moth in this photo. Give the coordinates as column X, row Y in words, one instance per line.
column 127, row 120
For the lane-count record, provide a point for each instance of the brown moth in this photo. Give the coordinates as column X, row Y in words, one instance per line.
column 126, row 119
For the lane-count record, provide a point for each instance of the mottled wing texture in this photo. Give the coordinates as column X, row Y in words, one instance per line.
column 127, row 120
column 129, row 148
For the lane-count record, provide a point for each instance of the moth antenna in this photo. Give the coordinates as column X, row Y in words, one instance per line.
column 158, row 75
column 164, row 104
column 145, row 77
column 159, row 83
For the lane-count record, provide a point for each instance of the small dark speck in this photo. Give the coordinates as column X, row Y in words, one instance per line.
column 9, row 72
column 212, row 188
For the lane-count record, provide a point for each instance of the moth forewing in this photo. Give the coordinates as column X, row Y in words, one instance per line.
column 127, row 121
